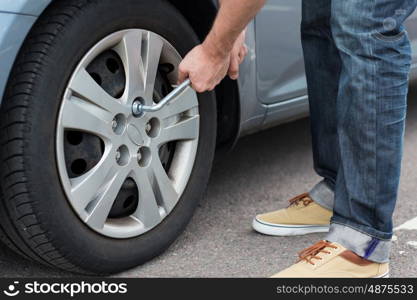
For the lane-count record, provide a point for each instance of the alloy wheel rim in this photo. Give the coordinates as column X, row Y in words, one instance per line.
column 130, row 145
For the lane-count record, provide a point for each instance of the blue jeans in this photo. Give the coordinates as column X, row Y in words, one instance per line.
column 358, row 57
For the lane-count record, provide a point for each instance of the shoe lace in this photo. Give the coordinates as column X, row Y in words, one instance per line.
column 304, row 198
column 312, row 252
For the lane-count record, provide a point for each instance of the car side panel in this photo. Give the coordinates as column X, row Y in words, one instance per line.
column 25, row 7
column 279, row 53
column 279, row 110
column 252, row 112
column 280, row 62
column 16, row 19
column 13, row 30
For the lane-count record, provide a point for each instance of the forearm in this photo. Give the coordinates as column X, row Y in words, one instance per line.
column 232, row 18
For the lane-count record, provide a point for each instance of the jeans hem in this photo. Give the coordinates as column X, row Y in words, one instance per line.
column 364, row 245
column 362, row 229
column 323, row 195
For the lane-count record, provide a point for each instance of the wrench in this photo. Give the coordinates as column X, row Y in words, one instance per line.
column 139, row 109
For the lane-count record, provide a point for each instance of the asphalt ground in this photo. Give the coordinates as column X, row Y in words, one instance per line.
column 260, row 174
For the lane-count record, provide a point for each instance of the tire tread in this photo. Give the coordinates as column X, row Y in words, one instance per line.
column 20, row 228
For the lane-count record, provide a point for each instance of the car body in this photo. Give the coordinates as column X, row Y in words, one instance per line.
column 272, row 87
column 75, row 155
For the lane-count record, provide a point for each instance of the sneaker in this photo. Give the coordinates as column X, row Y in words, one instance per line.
column 301, row 217
column 332, row 260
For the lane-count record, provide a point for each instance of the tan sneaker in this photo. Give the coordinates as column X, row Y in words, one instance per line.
column 301, row 217
column 331, row 260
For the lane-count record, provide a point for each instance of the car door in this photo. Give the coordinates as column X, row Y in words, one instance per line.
column 280, row 66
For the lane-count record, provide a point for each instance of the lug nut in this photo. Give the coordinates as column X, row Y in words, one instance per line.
column 114, row 124
column 153, row 127
column 118, row 124
column 144, row 156
column 122, row 156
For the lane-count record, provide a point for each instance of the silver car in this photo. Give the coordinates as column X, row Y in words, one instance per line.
column 88, row 186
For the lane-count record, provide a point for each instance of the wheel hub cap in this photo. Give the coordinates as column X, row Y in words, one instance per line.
column 135, row 135
column 123, row 174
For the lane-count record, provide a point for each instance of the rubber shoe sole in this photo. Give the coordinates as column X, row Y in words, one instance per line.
column 286, row 230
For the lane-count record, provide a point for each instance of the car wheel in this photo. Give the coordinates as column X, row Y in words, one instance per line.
column 86, row 186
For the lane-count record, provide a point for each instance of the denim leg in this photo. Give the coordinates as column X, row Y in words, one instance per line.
column 371, row 110
column 323, row 67
column 323, row 194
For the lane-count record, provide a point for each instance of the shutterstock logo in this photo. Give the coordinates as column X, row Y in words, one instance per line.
column 71, row 289
column 12, row 290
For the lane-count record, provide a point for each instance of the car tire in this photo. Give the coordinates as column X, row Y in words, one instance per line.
column 36, row 218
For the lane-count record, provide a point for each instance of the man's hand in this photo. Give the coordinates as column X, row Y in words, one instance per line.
column 207, row 68
column 224, row 47
column 204, row 68
column 239, row 52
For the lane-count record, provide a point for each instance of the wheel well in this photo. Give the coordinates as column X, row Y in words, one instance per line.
column 201, row 14
column 228, row 113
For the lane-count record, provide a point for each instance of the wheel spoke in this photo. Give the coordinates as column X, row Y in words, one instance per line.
column 184, row 102
column 187, row 129
column 83, row 116
column 163, row 185
column 140, row 53
column 84, row 86
column 86, row 187
column 152, row 55
column 148, row 210
column 104, row 203
column 130, row 49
